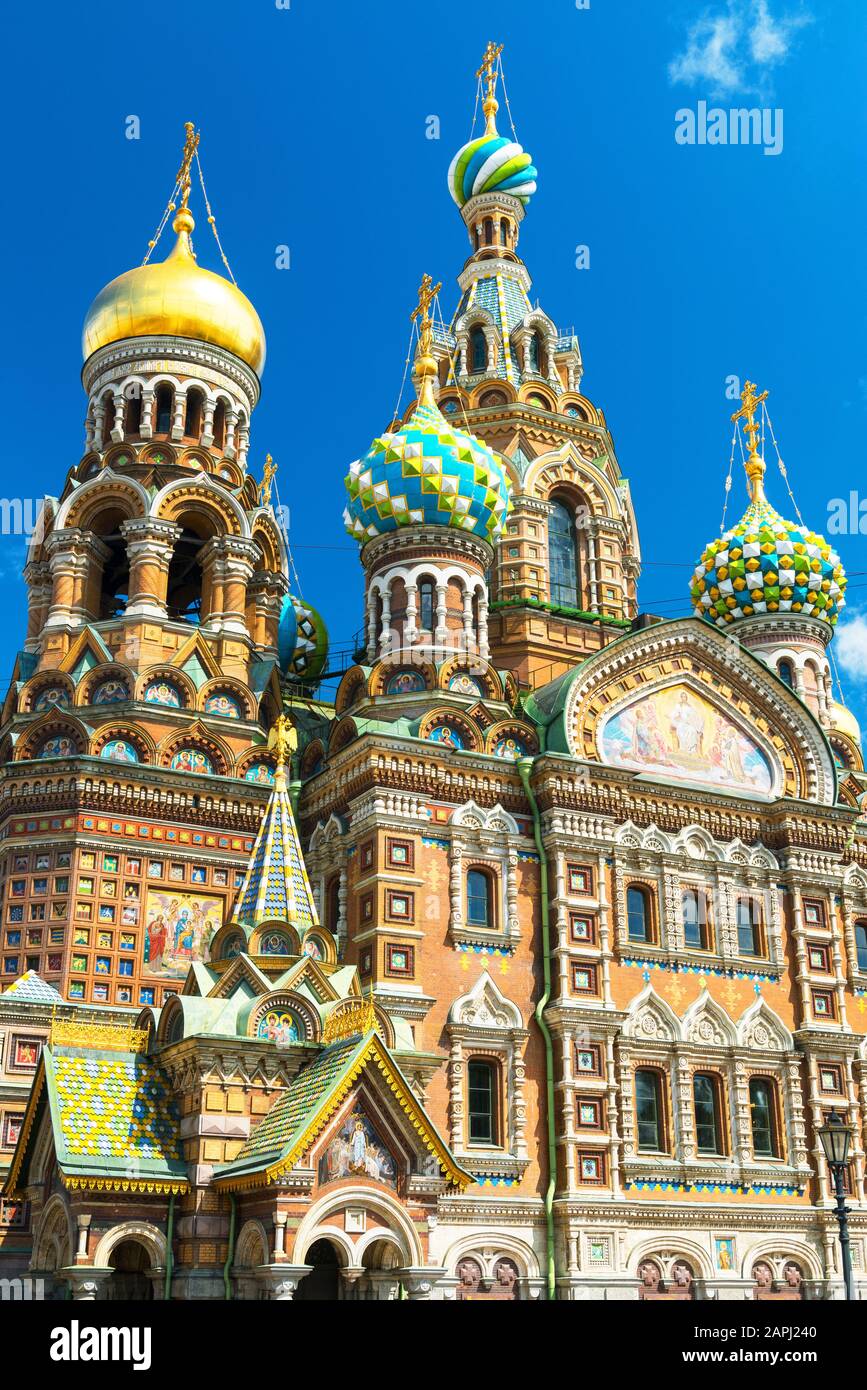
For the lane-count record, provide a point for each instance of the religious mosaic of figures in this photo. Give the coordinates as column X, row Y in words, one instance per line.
column 219, row 702
column 110, row 692
column 51, row 695
column 262, row 773
column 279, row 1026
column 357, row 1151
column 679, row 734
column 160, row 692
column 178, row 931
column 191, row 760
column 119, row 750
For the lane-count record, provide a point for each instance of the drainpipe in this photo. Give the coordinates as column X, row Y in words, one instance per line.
column 230, row 1253
column 170, row 1262
column 525, row 768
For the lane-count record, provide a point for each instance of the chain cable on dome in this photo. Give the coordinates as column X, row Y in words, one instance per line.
column 782, row 467
column 837, row 672
column 213, row 221
column 728, row 486
column 169, row 209
column 396, row 417
column 280, row 517
column 502, row 76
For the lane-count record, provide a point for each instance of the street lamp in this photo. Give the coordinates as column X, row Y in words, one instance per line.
column 836, row 1136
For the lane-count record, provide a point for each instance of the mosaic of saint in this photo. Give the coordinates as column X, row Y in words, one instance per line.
column 678, row 734
column 178, row 931
column 356, row 1151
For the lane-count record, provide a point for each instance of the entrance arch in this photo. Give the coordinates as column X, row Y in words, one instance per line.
column 322, row 1284
column 131, row 1278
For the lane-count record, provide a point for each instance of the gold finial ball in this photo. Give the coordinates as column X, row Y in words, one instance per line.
column 424, row 366
column 184, row 222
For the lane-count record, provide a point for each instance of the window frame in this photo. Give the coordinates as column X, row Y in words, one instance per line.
column 774, row 1126
column 706, row 933
column 482, row 872
column 721, row 1147
column 756, row 926
column 860, row 961
column 494, row 1070
column 644, row 891
column 660, row 1100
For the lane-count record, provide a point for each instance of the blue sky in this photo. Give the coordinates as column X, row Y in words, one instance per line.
column 706, row 262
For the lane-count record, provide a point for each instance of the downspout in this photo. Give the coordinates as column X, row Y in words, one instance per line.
column 525, row 768
column 170, row 1260
column 230, row 1252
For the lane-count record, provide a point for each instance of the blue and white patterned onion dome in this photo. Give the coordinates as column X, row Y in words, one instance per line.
column 427, row 473
column 302, row 640
column 491, row 164
column 768, row 565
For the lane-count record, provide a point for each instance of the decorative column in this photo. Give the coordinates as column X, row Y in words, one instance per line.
column 150, row 544
column 280, row 1281
column 70, row 553
column 456, row 886
column 98, row 425
column 86, row 1281
column 37, row 576
column 213, row 574
column 410, row 631
column 371, row 625
column 469, row 639
column 208, row 424
column 119, row 416
column 420, row 1281
column 484, row 646
column 180, row 405
column 280, row 1219
column 146, row 427
column 239, row 561
column 456, row 1096
column 231, row 426
column 440, row 632
column 386, row 637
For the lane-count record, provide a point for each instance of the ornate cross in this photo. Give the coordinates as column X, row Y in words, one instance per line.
column 427, row 293
column 748, row 412
column 191, row 144
column 488, row 70
column 267, row 477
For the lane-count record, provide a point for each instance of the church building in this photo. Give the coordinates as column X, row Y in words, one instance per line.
column 526, row 960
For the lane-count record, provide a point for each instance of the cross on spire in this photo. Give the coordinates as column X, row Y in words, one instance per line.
column 191, row 144
column 488, row 72
column 755, row 465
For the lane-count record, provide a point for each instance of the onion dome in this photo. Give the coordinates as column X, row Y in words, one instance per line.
column 302, row 641
column 766, row 564
column 177, row 297
column 427, row 473
column 491, row 164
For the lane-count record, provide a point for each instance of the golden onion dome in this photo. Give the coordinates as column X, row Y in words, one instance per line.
column 844, row 720
column 179, row 298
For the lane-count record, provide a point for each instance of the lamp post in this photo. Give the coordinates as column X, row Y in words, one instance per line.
column 836, row 1136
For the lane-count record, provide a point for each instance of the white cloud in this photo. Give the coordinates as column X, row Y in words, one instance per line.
column 850, row 644
column 735, row 49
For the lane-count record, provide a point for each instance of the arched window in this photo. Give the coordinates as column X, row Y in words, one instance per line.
column 786, row 674
column 649, row 1110
column 132, row 413
column 194, row 413
column 219, row 426
column 480, row 905
column 489, row 231
column 109, row 419
column 165, row 397
column 861, row 945
column 536, row 355
column 562, row 554
column 504, row 231
column 426, row 605
column 638, row 915
column 478, row 351
column 749, row 921
column 332, row 905
column 763, row 1117
column 482, row 1094
column 707, row 1103
column 693, row 907
column 184, row 584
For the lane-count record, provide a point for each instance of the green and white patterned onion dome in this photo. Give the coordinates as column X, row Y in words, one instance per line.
column 491, row 164
column 302, row 640
column 427, row 473
column 766, row 564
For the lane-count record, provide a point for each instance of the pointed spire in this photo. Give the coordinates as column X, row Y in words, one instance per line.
column 488, row 72
column 425, row 368
column 276, row 887
column 755, row 464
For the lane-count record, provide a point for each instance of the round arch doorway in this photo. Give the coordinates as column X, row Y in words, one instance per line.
column 322, row 1284
column 131, row 1278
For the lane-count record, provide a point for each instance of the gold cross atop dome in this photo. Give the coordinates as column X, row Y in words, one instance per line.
column 755, row 464
column 425, row 367
column 191, row 144
column 282, row 740
column 267, row 479
column 488, row 71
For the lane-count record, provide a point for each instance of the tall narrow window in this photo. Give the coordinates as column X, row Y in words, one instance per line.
column 489, row 231
column 749, row 927
column 478, row 351
column 861, row 945
column 426, row 605
column 504, row 232
column 482, row 1096
column 194, row 414
column 708, row 1113
column 638, row 915
column 649, row 1110
column 479, row 904
column 694, row 915
column 132, row 421
column 562, row 555
column 764, row 1118
column 219, row 426
column 164, row 402
column 786, row 674
column 108, row 419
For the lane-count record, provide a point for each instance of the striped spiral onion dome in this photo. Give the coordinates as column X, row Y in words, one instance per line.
column 491, row 164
